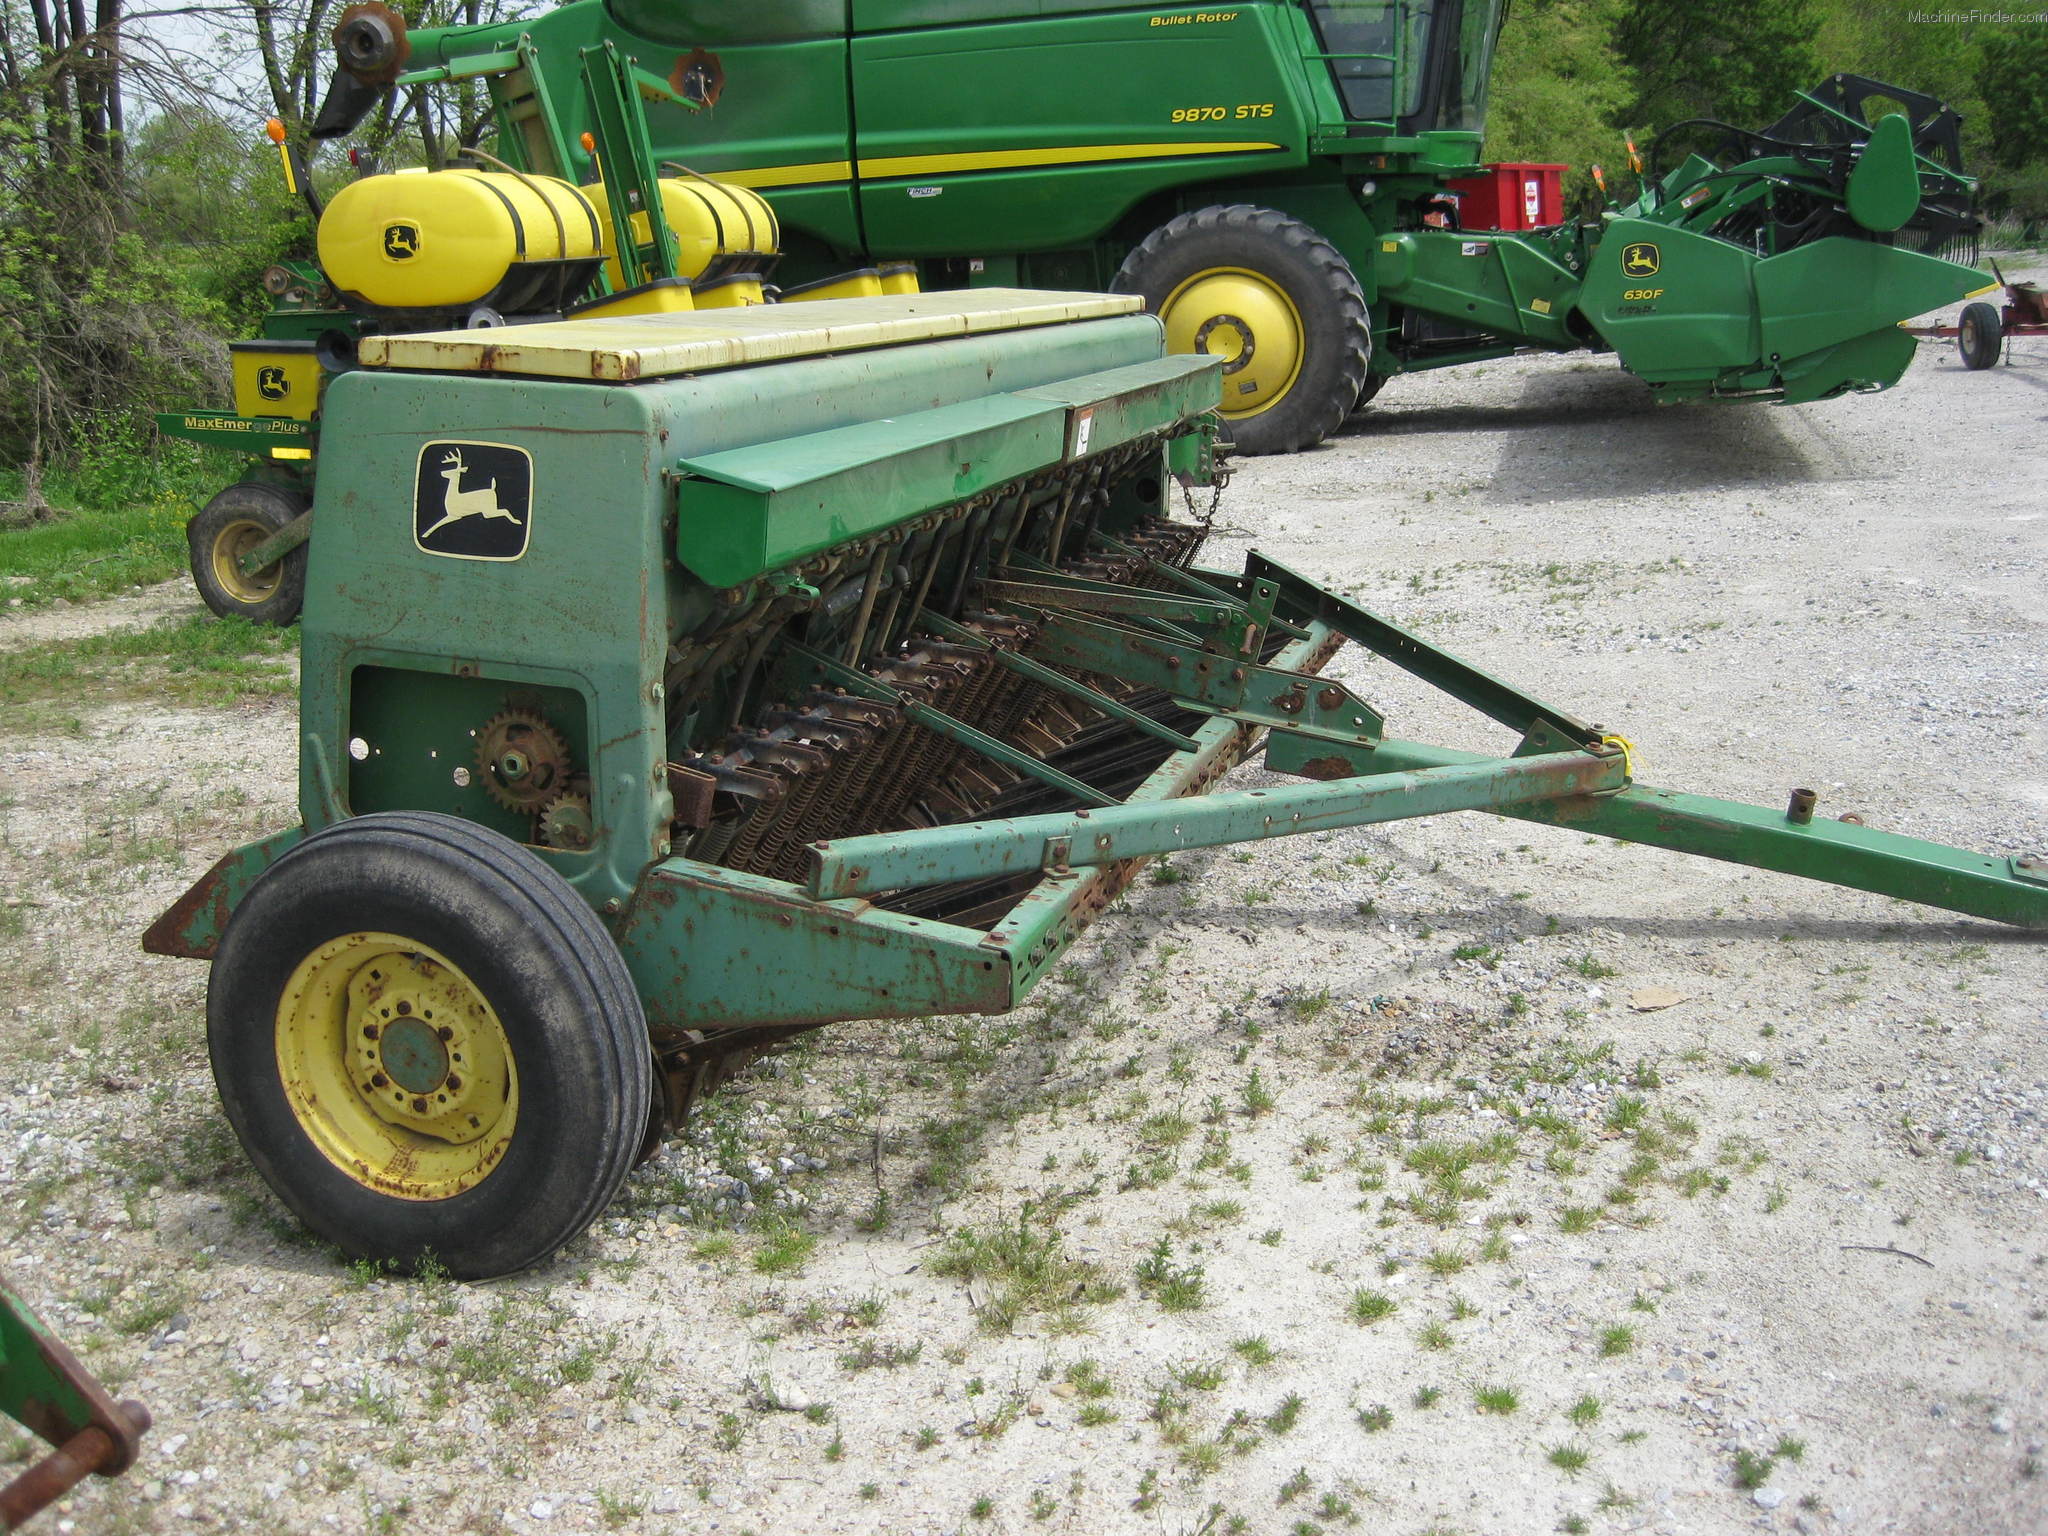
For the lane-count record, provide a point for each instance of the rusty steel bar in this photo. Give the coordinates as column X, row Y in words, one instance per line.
column 89, row 1451
column 55, row 1475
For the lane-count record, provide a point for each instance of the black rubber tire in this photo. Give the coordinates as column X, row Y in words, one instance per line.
column 209, row 542
column 1318, row 281
column 567, row 1005
column 1979, row 335
column 1374, row 382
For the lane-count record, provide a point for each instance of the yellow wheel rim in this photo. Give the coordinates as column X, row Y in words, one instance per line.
column 235, row 540
column 1246, row 319
column 396, row 1066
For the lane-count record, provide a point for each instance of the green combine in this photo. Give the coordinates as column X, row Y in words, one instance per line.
column 1269, row 179
column 1268, row 176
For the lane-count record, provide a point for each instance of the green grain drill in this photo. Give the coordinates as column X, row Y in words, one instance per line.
column 675, row 684
column 677, row 678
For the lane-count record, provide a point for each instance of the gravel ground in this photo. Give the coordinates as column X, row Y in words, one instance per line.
column 1459, row 1176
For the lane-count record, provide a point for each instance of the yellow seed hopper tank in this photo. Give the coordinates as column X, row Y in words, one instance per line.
column 440, row 240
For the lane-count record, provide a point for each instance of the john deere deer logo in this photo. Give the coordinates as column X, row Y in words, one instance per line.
column 1640, row 260
column 401, row 241
column 473, row 500
column 271, row 383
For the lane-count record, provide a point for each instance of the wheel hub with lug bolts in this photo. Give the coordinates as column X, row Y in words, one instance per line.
column 413, row 1032
column 1247, row 319
column 1241, row 354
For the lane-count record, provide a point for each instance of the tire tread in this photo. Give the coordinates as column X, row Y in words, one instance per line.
column 574, row 944
column 1322, row 411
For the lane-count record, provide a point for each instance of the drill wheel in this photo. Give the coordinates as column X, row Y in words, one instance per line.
column 429, row 1045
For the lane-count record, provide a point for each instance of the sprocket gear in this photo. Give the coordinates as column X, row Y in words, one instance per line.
column 567, row 823
column 522, row 760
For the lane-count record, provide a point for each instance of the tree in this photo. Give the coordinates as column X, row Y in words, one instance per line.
column 291, row 37
column 94, row 319
column 1739, row 61
column 62, row 76
column 2012, row 76
column 1558, row 89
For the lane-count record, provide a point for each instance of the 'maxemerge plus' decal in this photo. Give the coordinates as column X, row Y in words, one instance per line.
column 473, row 501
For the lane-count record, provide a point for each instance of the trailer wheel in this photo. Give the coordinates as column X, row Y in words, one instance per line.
column 228, row 527
column 1273, row 298
column 1978, row 335
column 429, row 1045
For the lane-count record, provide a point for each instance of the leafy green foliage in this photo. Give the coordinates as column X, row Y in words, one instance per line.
column 2012, row 76
column 1740, row 61
column 1558, row 89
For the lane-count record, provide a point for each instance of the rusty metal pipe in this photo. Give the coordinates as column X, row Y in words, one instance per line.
column 90, row 1450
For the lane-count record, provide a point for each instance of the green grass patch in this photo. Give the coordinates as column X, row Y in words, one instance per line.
column 118, row 524
column 1368, row 1307
column 784, row 1247
column 1501, row 1400
column 195, row 660
column 84, row 555
column 1025, row 1263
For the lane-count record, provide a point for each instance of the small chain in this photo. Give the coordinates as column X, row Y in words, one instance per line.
column 1220, row 477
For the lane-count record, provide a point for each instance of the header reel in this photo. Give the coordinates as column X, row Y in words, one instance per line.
column 1854, row 156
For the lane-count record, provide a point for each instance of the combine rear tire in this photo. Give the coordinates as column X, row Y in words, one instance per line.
column 429, row 1045
column 228, row 527
column 1978, row 335
column 1277, row 301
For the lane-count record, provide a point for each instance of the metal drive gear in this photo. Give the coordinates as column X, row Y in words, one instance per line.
column 567, row 823
column 524, row 762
